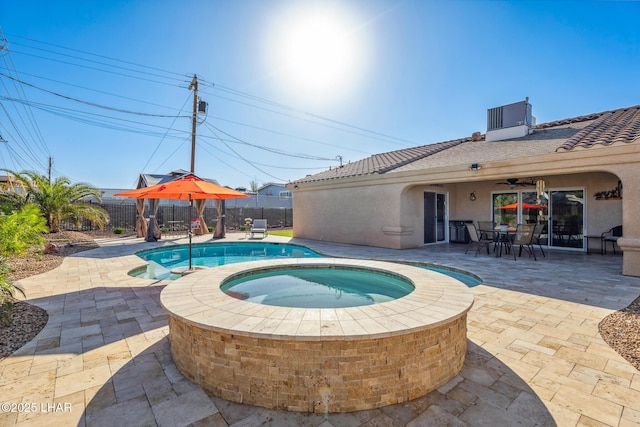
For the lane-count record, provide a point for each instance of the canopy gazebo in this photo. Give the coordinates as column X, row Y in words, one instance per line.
column 151, row 230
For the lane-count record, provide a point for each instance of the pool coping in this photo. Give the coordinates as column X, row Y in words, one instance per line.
column 197, row 299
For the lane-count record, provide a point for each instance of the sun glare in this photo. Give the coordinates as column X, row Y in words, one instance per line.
column 317, row 52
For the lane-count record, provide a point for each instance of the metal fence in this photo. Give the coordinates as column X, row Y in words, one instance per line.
column 177, row 218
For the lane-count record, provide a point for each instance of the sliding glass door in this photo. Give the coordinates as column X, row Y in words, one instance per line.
column 435, row 208
column 561, row 211
column 567, row 218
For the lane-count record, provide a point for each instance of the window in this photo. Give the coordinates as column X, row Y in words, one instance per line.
column 285, row 194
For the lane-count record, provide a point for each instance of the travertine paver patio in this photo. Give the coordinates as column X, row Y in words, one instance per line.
column 534, row 353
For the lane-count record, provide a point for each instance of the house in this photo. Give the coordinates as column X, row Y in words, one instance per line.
column 275, row 190
column 270, row 195
column 579, row 176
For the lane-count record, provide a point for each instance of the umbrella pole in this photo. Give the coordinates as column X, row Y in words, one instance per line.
column 190, row 232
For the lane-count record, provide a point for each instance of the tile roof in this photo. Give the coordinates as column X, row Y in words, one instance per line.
column 605, row 128
column 384, row 162
column 621, row 125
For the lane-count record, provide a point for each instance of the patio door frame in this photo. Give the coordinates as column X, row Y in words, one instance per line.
column 553, row 216
column 435, row 217
column 550, row 214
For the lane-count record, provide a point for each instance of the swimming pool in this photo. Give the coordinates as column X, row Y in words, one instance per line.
column 318, row 287
column 162, row 260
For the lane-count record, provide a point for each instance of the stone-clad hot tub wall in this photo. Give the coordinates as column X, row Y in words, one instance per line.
column 415, row 345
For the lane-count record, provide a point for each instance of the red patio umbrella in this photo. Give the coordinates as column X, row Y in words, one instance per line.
column 524, row 206
column 188, row 187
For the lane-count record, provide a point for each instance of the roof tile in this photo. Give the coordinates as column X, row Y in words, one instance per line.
column 606, row 128
column 610, row 127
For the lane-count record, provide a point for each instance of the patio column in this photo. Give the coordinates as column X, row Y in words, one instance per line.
column 141, row 223
column 630, row 240
column 219, row 231
column 153, row 232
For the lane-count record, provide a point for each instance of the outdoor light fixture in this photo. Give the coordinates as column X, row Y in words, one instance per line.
column 475, row 167
column 472, row 196
column 295, row 186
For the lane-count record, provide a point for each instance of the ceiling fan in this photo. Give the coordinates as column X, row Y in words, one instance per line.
column 515, row 182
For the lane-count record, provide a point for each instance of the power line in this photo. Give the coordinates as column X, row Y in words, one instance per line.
column 373, row 134
column 97, row 55
column 95, row 90
column 271, row 150
column 93, row 104
column 367, row 132
column 275, row 132
column 11, row 68
column 165, row 135
column 59, row 111
column 97, row 69
column 247, row 161
column 257, row 163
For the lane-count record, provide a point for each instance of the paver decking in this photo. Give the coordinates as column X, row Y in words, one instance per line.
column 534, row 353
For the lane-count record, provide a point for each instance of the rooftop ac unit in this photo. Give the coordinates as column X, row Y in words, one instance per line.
column 516, row 114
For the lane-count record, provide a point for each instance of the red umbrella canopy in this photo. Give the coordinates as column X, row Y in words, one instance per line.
column 184, row 188
column 524, row 206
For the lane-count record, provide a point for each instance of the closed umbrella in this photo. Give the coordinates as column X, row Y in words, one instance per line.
column 188, row 187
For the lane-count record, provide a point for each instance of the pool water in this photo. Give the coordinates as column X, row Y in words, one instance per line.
column 465, row 278
column 318, row 287
column 162, row 260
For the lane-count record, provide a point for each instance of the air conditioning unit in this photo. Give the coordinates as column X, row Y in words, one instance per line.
column 516, row 114
column 509, row 121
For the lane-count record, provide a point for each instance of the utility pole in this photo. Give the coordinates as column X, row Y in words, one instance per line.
column 50, row 166
column 194, row 86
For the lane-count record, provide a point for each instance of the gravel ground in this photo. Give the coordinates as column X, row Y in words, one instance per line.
column 28, row 319
column 621, row 330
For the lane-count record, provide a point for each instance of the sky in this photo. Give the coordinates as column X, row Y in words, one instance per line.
column 293, row 87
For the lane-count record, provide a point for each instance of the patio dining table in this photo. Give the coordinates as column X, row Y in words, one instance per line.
column 501, row 237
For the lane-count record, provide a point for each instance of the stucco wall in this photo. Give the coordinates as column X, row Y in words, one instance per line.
column 386, row 210
column 358, row 215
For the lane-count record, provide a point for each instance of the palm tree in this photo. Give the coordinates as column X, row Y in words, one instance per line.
column 60, row 199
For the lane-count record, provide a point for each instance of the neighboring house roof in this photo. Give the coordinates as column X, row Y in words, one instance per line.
column 147, row 180
column 605, row 128
column 271, row 184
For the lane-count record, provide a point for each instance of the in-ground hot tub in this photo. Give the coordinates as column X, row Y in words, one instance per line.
column 318, row 359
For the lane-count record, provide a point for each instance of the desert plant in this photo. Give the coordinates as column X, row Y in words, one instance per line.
column 7, row 294
column 60, row 199
column 19, row 232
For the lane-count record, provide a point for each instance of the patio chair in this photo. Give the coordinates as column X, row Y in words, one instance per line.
column 523, row 237
column 612, row 236
column 538, row 231
column 486, row 225
column 476, row 240
column 259, row 226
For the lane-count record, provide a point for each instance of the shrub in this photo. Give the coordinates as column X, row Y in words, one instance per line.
column 118, row 230
column 210, row 228
column 7, row 292
column 22, row 230
column 19, row 232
